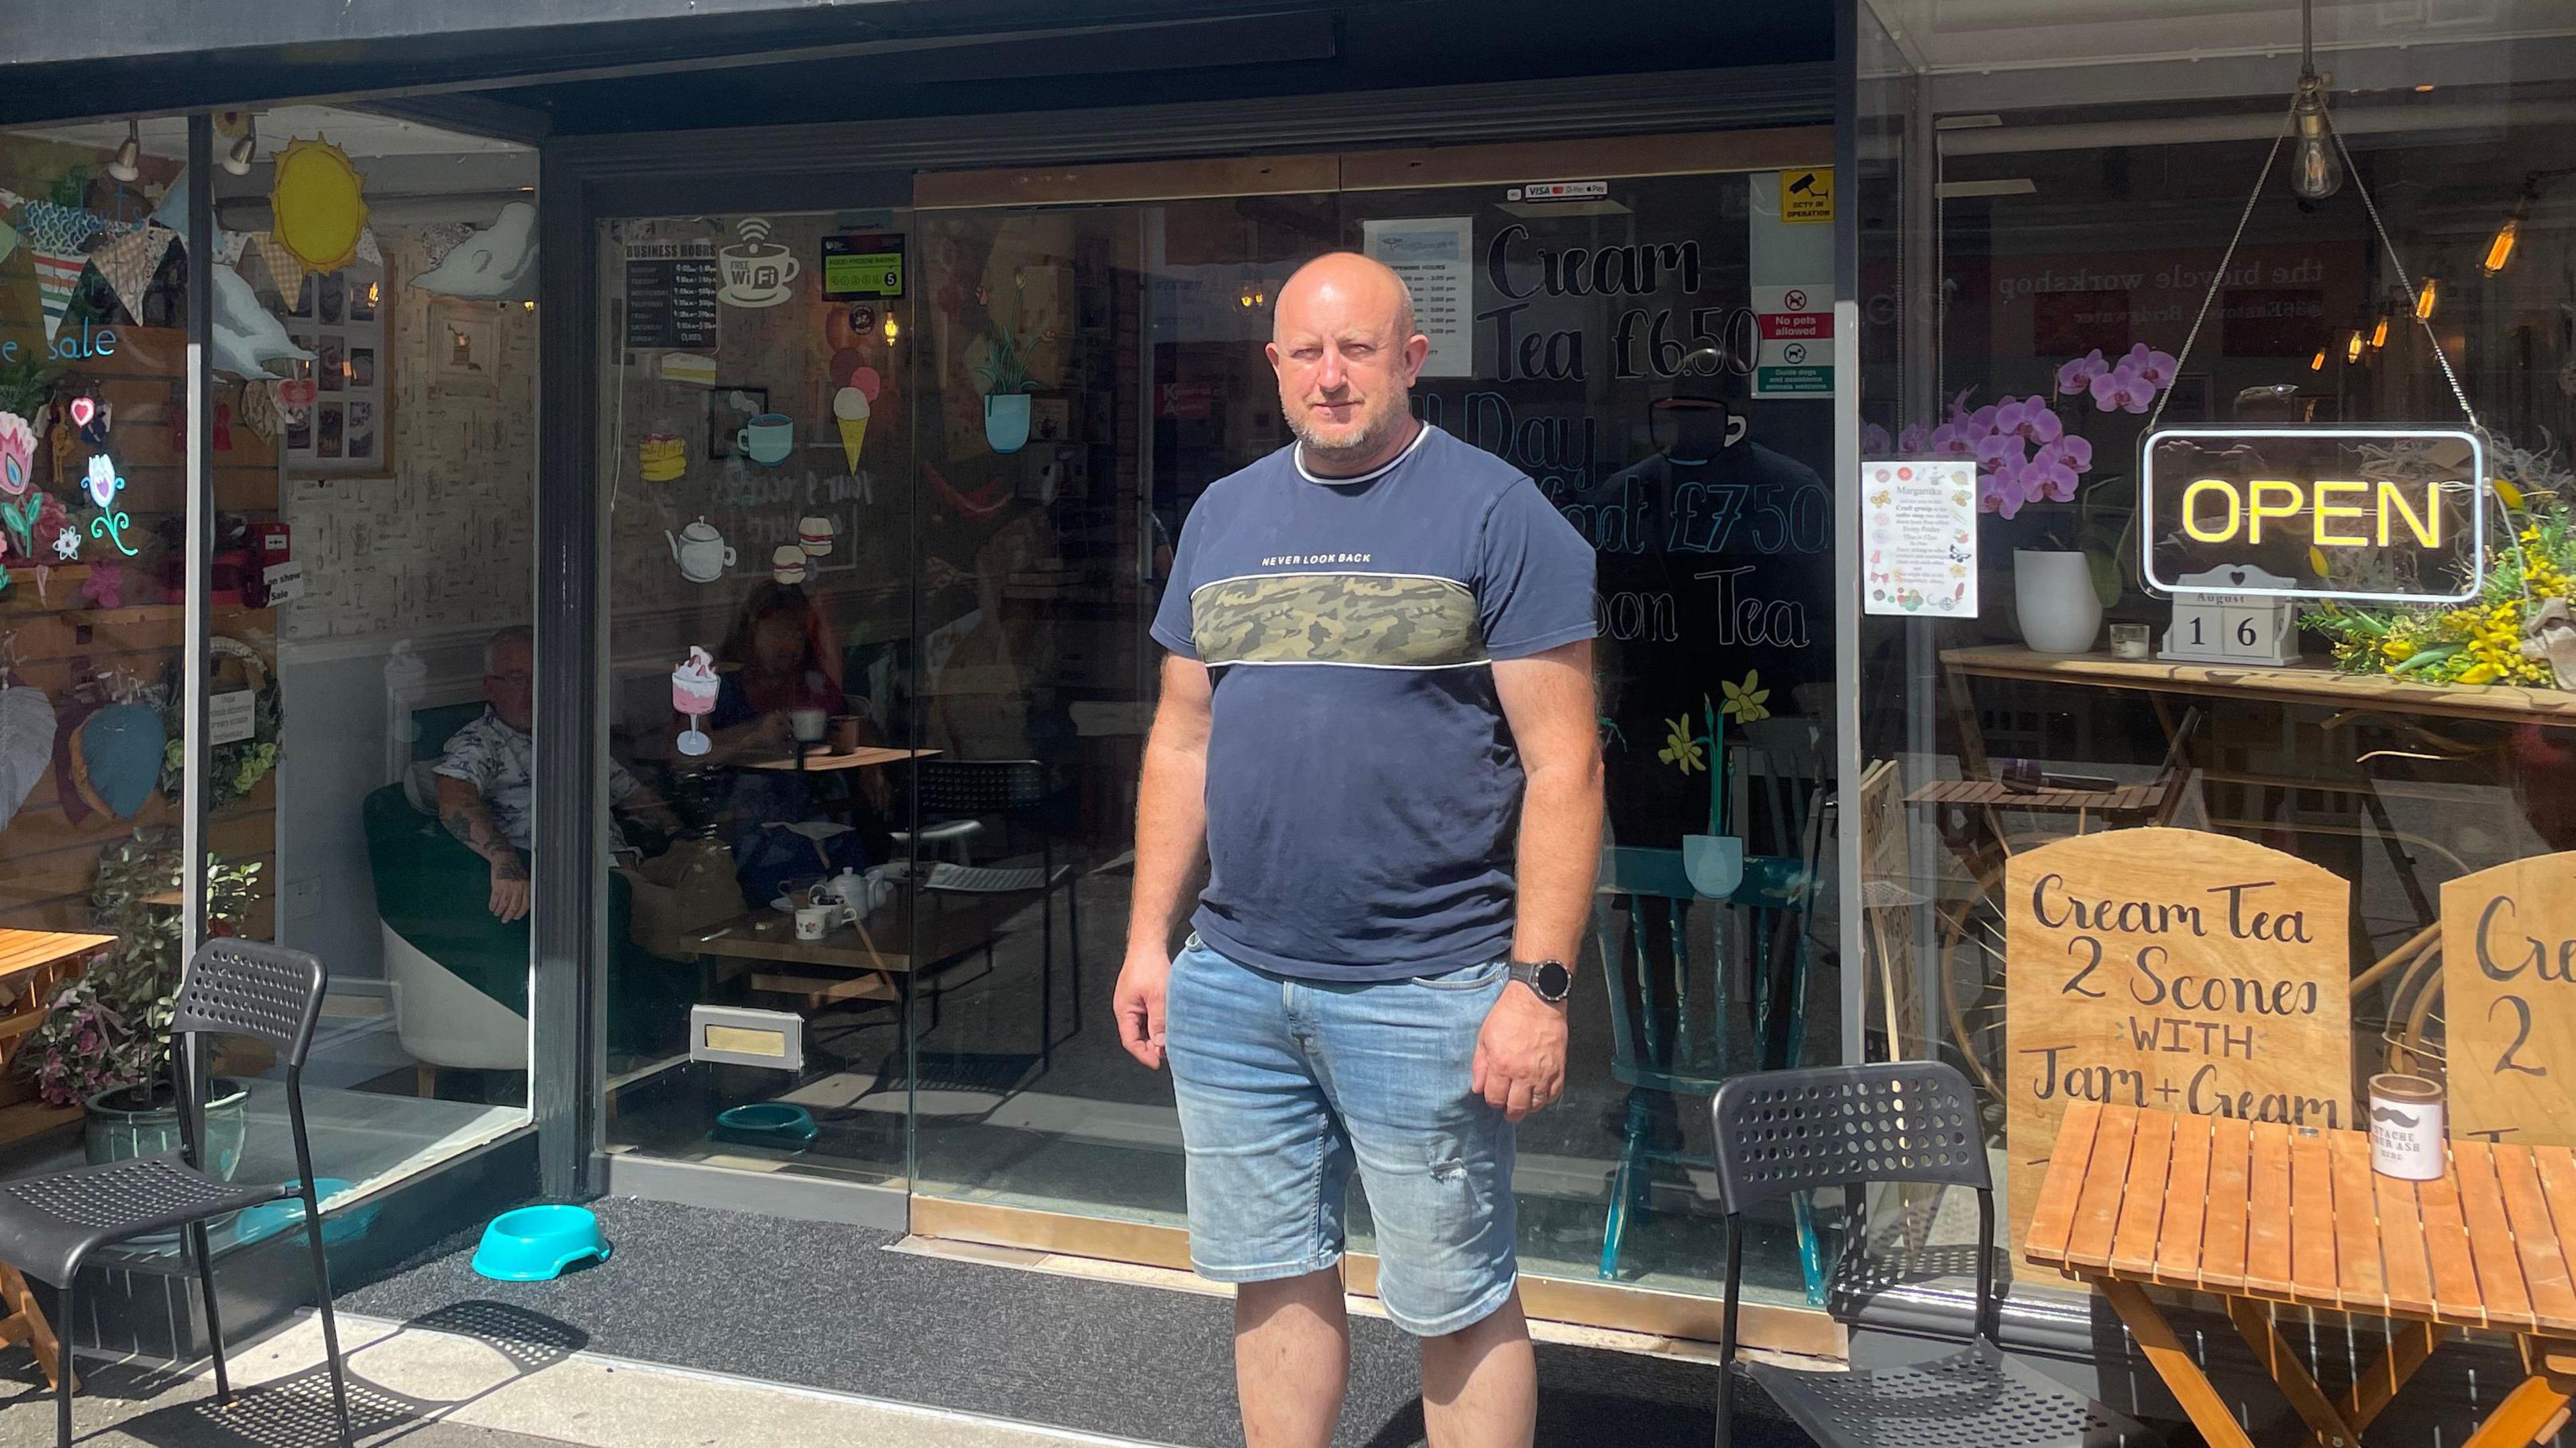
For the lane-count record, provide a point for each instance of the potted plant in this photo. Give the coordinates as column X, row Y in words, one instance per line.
column 105, row 1039
column 2520, row 630
column 2027, row 452
column 1005, row 380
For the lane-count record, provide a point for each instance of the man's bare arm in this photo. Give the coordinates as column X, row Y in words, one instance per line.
column 469, row 819
column 1171, row 840
column 1547, row 699
column 1171, row 805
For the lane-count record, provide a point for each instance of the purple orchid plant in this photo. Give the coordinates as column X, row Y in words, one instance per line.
column 2023, row 452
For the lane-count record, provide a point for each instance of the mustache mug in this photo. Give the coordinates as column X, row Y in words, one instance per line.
column 2406, row 1128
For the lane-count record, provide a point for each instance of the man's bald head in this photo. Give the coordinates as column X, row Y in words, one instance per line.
column 1363, row 282
column 1347, row 355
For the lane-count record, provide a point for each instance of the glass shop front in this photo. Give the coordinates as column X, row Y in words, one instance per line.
column 2215, row 791
column 893, row 494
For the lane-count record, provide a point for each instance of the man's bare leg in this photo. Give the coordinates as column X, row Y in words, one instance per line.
column 1480, row 1383
column 1292, row 1359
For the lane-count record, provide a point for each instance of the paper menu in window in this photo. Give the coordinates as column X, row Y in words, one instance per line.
column 1918, row 535
column 1435, row 255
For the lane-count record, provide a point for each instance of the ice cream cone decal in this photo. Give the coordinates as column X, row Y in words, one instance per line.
column 850, row 411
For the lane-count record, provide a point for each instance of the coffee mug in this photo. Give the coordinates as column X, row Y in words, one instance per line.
column 845, row 733
column 813, row 922
column 768, row 440
column 2407, row 1139
column 757, row 275
column 808, row 724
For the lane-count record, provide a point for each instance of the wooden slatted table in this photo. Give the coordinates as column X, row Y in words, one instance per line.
column 2261, row 1213
column 34, row 964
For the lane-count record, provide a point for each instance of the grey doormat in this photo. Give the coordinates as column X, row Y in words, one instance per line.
column 824, row 1305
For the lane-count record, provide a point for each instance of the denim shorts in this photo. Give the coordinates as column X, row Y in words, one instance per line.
column 1284, row 1085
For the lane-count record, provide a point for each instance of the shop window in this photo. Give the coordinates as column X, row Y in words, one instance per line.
column 371, row 485
column 2100, row 332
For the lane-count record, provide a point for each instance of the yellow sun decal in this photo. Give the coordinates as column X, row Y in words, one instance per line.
column 317, row 204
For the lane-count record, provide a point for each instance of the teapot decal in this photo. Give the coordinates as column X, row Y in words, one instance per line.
column 700, row 551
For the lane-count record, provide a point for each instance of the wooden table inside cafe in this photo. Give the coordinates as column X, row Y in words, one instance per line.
column 2261, row 1213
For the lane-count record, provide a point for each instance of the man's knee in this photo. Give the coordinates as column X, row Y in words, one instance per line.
column 1256, row 1300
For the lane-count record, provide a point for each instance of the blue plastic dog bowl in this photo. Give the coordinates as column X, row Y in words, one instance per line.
column 535, row 1244
column 767, row 1123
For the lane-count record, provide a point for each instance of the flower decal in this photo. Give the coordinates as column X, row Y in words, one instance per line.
column 1745, row 702
column 1680, row 750
column 17, row 454
column 102, row 479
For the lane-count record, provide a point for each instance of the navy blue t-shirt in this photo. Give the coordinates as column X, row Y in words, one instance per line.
column 1363, row 794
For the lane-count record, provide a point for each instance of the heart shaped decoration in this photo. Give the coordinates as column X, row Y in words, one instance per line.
column 119, row 757
column 84, row 409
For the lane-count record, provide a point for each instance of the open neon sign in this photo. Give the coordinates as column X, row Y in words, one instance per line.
column 2391, row 514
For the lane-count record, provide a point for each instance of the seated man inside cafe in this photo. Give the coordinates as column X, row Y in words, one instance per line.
column 486, row 782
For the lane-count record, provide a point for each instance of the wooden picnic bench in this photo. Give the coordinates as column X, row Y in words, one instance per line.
column 2259, row 1213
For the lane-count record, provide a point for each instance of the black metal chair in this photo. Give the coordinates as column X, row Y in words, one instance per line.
column 954, row 791
column 49, row 1225
column 1781, row 1133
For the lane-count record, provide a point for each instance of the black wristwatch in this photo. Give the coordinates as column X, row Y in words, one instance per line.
column 1549, row 980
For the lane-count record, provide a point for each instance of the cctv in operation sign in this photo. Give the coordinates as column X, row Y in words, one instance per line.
column 2387, row 514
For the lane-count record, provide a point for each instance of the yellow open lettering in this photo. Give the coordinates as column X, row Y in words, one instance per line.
column 2426, row 526
column 2191, row 523
column 2329, row 511
column 2273, row 498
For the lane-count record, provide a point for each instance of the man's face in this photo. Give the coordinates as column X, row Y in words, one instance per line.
column 1345, row 364
column 508, row 685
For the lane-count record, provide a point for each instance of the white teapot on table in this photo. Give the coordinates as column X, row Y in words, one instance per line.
column 854, row 893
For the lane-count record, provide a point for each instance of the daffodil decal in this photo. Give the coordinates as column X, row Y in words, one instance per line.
column 1680, row 750
column 1745, row 701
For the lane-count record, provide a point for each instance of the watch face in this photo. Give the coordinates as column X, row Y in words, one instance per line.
column 1555, row 982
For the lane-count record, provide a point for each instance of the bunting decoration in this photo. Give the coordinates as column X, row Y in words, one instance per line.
column 55, row 236
column 129, row 262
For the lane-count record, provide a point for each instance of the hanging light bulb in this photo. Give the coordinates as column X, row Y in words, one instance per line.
column 2424, row 301
column 237, row 160
column 891, row 330
column 129, row 155
column 2352, row 348
column 2318, row 362
column 2379, row 331
column 2316, row 168
column 2500, row 251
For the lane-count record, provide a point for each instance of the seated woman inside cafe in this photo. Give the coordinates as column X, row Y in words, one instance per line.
column 779, row 695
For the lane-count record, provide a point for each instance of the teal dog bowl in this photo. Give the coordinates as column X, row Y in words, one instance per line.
column 271, row 1218
column 535, row 1244
column 767, row 1123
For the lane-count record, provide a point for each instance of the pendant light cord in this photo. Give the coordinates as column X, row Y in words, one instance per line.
column 2395, row 263
column 2218, row 276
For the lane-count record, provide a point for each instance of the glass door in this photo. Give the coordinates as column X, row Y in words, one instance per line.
column 1610, row 343
column 1085, row 373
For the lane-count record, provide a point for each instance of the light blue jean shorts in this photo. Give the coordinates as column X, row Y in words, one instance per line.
column 1284, row 1085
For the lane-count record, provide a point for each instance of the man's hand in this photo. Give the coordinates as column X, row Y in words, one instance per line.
column 509, row 886
column 1520, row 1055
column 1139, row 1004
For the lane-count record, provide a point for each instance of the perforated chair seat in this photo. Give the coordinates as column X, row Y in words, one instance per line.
column 1974, row 1398
column 48, row 1223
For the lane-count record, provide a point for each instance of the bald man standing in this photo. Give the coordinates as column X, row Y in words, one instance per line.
column 1377, row 721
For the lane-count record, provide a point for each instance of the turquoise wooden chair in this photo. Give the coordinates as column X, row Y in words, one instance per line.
column 1678, row 1040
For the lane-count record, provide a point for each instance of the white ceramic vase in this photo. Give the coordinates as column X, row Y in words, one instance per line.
column 2054, row 601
